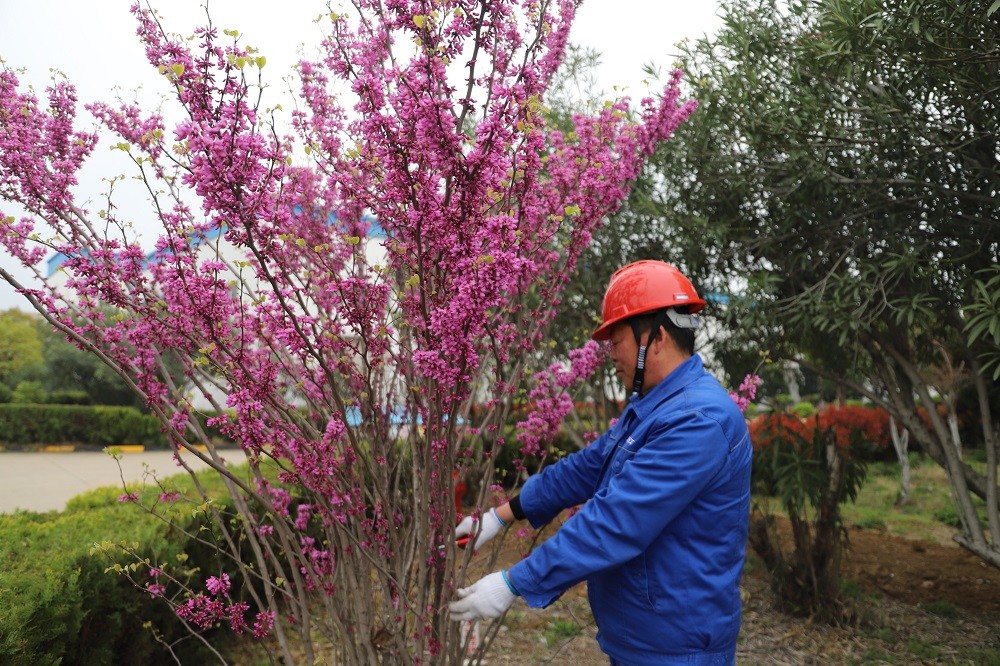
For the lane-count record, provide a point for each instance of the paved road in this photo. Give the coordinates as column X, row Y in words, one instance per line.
column 45, row 481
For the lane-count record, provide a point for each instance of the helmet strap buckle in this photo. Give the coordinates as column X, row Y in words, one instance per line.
column 680, row 320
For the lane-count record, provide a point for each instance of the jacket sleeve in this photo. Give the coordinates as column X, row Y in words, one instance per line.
column 648, row 489
column 567, row 483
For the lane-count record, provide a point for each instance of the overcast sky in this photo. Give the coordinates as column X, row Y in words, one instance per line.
column 94, row 44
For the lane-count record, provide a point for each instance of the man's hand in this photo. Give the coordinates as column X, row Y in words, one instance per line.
column 492, row 526
column 485, row 599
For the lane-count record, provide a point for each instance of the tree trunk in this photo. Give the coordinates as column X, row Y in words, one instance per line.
column 828, row 542
column 789, row 373
column 989, row 427
column 901, row 443
column 900, row 402
column 974, row 539
column 956, row 438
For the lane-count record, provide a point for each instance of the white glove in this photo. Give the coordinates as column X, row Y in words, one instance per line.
column 491, row 526
column 485, row 599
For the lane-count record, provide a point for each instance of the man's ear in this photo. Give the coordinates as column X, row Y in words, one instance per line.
column 663, row 338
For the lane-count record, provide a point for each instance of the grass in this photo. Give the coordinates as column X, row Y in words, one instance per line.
column 900, row 647
column 941, row 608
column 850, row 589
column 922, row 650
column 929, row 513
column 559, row 630
column 877, row 657
column 928, row 509
column 918, row 651
column 982, row 657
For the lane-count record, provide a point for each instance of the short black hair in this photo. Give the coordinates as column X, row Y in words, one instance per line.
column 682, row 337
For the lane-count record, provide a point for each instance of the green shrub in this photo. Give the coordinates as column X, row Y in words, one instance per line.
column 872, row 523
column 850, row 588
column 890, row 469
column 89, row 426
column 42, row 606
column 975, row 456
column 69, row 398
column 5, row 393
column 782, row 401
column 508, row 459
column 213, row 432
column 29, row 393
column 803, row 410
column 61, row 606
column 810, row 474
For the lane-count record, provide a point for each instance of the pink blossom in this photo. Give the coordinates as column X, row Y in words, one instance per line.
column 746, row 392
column 263, row 624
column 236, row 613
column 550, row 399
column 218, row 586
column 303, row 513
column 202, row 611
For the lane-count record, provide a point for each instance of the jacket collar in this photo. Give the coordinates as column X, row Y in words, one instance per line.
column 681, row 376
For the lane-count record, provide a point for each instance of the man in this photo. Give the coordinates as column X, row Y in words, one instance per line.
column 661, row 536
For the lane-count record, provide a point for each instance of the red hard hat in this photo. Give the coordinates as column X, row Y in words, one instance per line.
column 645, row 286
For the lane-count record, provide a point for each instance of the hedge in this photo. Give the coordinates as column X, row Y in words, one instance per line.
column 83, row 425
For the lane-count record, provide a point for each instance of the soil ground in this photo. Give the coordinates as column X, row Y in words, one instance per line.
column 919, row 602
column 921, row 572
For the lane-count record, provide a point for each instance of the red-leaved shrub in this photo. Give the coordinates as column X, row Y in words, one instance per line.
column 867, row 424
column 772, row 427
column 870, row 423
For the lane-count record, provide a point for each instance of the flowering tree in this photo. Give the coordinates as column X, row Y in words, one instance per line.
column 347, row 375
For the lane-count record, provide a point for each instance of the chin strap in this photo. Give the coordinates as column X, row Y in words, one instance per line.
column 639, row 377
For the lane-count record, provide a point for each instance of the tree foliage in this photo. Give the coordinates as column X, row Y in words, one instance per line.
column 840, row 180
column 20, row 345
column 37, row 353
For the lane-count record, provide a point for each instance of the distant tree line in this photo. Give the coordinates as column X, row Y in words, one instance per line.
column 38, row 365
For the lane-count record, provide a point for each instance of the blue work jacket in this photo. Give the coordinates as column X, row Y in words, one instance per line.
column 661, row 536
